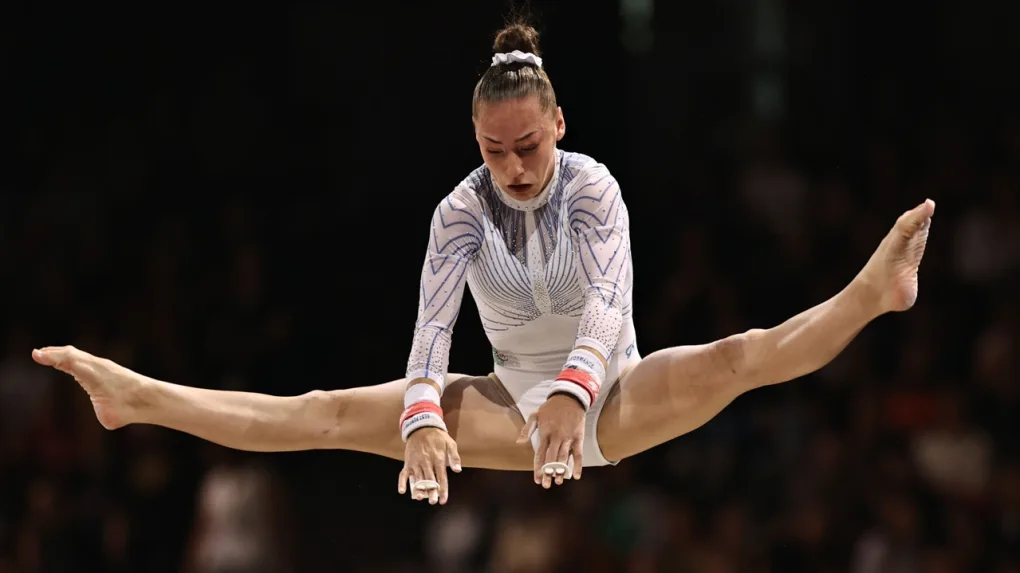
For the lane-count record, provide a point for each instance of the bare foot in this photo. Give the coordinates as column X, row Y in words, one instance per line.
column 891, row 273
column 113, row 389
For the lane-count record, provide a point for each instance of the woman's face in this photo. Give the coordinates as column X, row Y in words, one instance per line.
column 518, row 144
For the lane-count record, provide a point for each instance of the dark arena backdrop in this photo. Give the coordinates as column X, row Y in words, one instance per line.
column 238, row 196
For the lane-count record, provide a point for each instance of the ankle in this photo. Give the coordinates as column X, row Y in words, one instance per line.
column 864, row 295
column 141, row 400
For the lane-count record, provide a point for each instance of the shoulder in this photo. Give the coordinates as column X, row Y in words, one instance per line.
column 470, row 195
column 591, row 195
column 460, row 200
column 586, row 180
column 459, row 216
column 467, row 198
column 582, row 174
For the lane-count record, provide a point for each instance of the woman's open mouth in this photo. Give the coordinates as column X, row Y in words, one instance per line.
column 520, row 188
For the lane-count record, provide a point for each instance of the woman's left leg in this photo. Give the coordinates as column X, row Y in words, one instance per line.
column 676, row 390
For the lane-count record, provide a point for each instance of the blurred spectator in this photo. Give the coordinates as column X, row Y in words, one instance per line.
column 155, row 213
column 237, row 528
column 894, row 544
column 952, row 455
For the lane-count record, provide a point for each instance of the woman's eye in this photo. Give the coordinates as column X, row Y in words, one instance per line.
column 495, row 151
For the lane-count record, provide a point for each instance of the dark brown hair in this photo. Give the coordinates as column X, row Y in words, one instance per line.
column 515, row 80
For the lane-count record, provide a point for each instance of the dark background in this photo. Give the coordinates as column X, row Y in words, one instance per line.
column 238, row 197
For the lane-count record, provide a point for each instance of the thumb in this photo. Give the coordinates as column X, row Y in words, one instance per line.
column 528, row 429
column 914, row 219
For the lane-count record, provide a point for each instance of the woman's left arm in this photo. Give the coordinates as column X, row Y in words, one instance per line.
column 600, row 230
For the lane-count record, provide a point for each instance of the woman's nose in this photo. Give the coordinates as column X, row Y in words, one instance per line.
column 514, row 166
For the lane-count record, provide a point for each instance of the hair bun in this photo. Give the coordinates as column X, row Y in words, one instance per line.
column 517, row 36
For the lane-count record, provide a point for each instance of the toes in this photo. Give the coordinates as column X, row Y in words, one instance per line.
column 923, row 211
column 42, row 357
column 63, row 358
column 917, row 218
column 51, row 355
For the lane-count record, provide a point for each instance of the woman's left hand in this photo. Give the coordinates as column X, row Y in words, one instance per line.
column 560, row 426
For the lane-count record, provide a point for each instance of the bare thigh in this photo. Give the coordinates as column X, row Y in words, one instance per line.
column 478, row 413
column 666, row 395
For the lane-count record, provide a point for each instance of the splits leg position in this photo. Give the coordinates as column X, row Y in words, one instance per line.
column 666, row 395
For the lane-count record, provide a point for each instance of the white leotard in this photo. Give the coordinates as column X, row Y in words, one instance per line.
column 548, row 275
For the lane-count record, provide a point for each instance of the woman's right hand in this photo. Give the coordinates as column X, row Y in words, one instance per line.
column 426, row 455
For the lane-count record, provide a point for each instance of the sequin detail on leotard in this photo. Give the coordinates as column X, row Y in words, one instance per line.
column 545, row 278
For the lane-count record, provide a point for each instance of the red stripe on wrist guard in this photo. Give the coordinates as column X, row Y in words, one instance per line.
column 420, row 408
column 582, row 379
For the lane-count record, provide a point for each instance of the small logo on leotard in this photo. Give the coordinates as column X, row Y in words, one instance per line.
column 503, row 358
column 630, row 349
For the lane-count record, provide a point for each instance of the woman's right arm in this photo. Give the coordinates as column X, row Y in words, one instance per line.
column 455, row 239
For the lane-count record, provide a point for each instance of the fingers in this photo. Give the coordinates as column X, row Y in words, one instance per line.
column 412, row 475
column 412, row 479
column 529, row 428
column 454, row 457
column 427, row 486
column 451, row 458
column 576, row 458
column 549, row 471
column 564, row 466
column 563, row 471
column 443, row 493
column 540, row 454
column 428, row 479
column 402, row 481
column 527, row 433
column 556, row 458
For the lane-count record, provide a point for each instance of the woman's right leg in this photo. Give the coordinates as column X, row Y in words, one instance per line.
column 478, row 413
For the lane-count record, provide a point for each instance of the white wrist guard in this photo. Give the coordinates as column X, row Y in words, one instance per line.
column 421, row 392
column 421, row 415
column 582, row 377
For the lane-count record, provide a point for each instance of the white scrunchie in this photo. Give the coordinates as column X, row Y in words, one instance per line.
column 517, row 56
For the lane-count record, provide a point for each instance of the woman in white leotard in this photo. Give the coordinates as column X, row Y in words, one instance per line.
column 542, row 237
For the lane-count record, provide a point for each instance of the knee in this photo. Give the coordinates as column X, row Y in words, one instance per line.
column 323, row 414
column 326, row 406
column 736, row 356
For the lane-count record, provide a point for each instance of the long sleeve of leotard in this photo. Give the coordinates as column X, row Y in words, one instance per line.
column 455, row 237
column 600, row 229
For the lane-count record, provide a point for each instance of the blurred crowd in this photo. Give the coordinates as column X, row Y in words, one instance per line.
column 163, row 225
column 896, row 458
